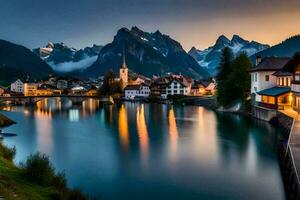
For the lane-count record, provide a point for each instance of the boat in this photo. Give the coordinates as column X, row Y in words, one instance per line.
column 2, row 135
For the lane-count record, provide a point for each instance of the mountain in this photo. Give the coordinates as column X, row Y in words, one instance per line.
column 286, row 48
column 67, row 59
column 210, row 57
column 17, row 61
column 146, row 53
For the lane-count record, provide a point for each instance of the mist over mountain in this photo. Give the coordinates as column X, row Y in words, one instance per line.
column 17, row 61
column 68, row 59
column 210, row 58
column 146, row 53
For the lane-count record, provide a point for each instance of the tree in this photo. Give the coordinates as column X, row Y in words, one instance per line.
column 224, row 71
column 239, row 80
column 109, row 79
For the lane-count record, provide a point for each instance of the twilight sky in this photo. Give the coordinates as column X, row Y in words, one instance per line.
column 80, row 23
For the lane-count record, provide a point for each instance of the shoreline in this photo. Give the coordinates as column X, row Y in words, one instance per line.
column 15, row 185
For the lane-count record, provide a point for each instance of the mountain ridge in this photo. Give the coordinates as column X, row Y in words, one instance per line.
column 146, row 53
column 17, row 61
column 65, row 59
column 210, row 57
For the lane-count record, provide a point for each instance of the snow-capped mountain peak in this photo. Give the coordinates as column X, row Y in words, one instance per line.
column 210, row 57
column 67, row 59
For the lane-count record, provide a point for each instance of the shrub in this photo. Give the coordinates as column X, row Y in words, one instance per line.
column 59, row 181
column 39, row 169
column 76, row 195
column 7, row 153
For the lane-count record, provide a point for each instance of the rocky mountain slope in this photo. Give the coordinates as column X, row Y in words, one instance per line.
column 67, row 59
column 146, row 53
column 17, row 61
column 210, row 57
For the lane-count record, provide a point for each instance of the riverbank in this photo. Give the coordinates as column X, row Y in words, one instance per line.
column 5, row 121
column 14, row 184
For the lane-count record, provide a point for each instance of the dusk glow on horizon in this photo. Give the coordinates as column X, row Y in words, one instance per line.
column 193, row 23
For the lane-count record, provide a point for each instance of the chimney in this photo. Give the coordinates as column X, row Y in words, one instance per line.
column 258, row 60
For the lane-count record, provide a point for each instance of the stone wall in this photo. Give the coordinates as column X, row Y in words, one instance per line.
column 263, row 113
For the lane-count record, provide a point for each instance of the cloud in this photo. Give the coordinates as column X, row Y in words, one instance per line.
column 73, row 66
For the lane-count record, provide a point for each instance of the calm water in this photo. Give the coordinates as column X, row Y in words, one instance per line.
column 150, row 151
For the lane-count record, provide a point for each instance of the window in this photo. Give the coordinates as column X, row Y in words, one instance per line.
column 267, row 77
column 255, row 77
column 297, row 77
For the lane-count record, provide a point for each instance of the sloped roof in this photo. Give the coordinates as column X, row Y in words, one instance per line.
column 132, row 87
column 274, row 91
column 271, row 64
column 282, row 73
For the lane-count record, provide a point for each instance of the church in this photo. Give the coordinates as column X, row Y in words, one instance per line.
column 129, row 79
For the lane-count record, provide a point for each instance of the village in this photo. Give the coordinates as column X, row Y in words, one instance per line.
column 132, row 86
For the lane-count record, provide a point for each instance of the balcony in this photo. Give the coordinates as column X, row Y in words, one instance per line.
column 267, row 105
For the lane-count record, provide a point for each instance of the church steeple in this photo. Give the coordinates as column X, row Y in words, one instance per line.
column 124, row 66
column 124, row 72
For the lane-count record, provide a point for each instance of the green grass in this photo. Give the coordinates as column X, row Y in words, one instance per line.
column 14, row 185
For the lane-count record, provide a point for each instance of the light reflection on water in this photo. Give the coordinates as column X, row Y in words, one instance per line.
column 151, row 151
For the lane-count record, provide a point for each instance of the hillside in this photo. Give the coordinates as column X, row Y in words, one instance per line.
column 17, row 61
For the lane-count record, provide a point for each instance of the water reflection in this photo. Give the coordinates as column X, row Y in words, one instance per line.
column 142, row 132
column 123, row 128
column 43, row 126
column 63, row 107
column 173, row 133
column 172, row 152
column 205, row 140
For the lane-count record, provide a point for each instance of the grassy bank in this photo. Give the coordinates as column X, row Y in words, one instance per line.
column 36, row 179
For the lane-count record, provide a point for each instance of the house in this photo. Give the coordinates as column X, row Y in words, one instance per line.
column 158, row 87
column 47, row 90
column 198, row 89
column 178, row 86
column 270, row 83
column 62, row 84
column 17, row 86
column 293, row 68
column 78, row 90
column 201, row 88
column 30, row 89
column 2, row 90
column 137, row 91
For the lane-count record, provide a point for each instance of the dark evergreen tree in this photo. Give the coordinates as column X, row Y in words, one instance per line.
column 238, row 82
column 108, row 82
column 224, row 71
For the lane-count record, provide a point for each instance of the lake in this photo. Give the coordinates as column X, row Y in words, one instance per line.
column 151, row 151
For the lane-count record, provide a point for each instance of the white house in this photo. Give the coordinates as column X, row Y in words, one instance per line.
column 266, row 74
column 177, row 86
column 17, row 86
column 136, row 91
column 62, row 84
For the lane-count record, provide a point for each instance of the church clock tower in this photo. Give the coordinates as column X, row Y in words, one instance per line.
column 124, row 72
